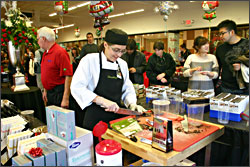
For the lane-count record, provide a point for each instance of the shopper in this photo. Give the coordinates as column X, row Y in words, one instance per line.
column 101, row 81
column 201, row 67
column 183, row 54
column 56, row 70
column 136, row 62
column 161, row 66
column 90, row 47
column 227, row 54
column 75, row 58
column 37, row 67
column 31, row 74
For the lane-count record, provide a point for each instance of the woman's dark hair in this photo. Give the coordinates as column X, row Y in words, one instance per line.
column 76, row 49
column 159, row 45
column 183, row 46
column 199, row 41
column 131, row 45
column 229, row 25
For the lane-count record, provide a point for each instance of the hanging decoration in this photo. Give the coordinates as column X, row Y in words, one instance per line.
column 77, row 32
column 210, row 9
column 99, row 31
column 61, row 7
column 165, row 8
column 100, row 10
column 16, row 27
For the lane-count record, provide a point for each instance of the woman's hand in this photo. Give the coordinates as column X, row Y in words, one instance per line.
column 107, row 104
column 164, row 80
column 208, row 73
column 199, row 68
column 160, row 76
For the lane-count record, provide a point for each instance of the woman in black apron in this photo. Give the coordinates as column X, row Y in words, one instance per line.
column 109, row 88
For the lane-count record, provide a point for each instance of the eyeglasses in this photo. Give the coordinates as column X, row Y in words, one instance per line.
column 222, row 33
column 116, row 50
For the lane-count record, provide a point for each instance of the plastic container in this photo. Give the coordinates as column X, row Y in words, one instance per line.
column 195, row 113
column 160, row 107
column 108, row 153
column 223, row 113
column 232, row 116
column 28, row 115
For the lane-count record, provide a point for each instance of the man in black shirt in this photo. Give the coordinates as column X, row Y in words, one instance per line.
column 228, row 58
column 90, row 47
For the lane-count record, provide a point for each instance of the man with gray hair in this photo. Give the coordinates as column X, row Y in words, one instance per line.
column 56, row 70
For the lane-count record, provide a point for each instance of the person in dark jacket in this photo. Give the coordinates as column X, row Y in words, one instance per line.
column 183, row 54
column 161, row 66
column 136, row 62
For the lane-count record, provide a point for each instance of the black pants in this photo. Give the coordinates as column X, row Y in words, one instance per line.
column 55, row 96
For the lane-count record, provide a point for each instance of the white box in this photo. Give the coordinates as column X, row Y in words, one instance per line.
column 80, row 150
column 238, row 105
column 61, row 122
column 51, row 118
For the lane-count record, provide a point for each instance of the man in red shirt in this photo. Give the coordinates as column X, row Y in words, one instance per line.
column 56, row 70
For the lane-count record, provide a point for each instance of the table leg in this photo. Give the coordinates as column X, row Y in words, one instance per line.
column 207, row 155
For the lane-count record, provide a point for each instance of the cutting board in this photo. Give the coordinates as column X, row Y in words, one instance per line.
column 183, row 140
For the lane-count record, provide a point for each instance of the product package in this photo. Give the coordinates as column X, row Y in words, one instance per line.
column 36, row 161
column 162, row 138
column 80, row 150
column 60, row 151
column 61, row 122
column 49, row 157
column 21, row 160
column 126, row 125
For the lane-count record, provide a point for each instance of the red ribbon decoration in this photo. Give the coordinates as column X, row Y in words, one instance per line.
column 36, row 152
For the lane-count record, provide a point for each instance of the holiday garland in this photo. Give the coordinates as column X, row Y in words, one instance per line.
column 17, row 28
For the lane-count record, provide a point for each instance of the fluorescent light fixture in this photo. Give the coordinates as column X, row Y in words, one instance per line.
column 72, row 8
column 135, row 11
column 83, row 4
column 70, row 25
column 121, row 14
column 52, row 14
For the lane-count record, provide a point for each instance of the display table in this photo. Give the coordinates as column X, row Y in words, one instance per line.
column 231, row 149
column 27, row 100
column 167, row 159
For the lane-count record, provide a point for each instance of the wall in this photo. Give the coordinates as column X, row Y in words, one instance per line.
column 150, row 21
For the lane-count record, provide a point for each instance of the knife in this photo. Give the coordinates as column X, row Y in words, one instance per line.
column 127, row 112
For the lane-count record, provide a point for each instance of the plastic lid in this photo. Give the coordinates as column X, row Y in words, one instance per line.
column 27, row 112
column 108, row 147
column 100, row 128
column 161, row 102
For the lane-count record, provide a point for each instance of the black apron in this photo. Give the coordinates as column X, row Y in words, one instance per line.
column 110, row 87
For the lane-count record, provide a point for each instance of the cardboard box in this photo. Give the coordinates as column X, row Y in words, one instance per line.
column 21, row 160
column 43, row 143
column 36, row 161
column 61, row 122
column 51, row 118
column 60, row 151
column 49, row 157
column 162, row 137
column 80, row 150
